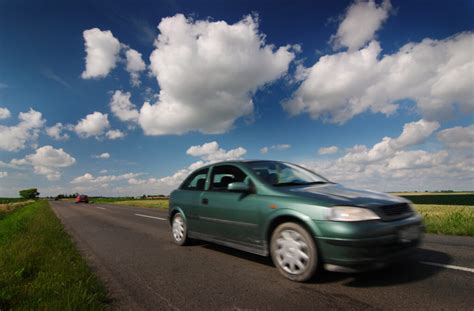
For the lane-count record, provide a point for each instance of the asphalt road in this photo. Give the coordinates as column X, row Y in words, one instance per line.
column 143, row 270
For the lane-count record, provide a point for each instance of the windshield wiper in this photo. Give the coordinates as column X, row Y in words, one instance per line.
column 298, row 183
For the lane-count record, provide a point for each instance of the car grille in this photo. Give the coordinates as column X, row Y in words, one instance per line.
column 395, row 210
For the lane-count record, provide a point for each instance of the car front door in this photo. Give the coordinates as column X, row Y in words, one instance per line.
column 230, row 216
column 190, row 197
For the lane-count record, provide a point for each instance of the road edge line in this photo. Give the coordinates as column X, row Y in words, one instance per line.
column 447, row 266
column 148, row 216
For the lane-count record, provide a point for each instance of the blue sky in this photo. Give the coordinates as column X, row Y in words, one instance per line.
column 370, row 94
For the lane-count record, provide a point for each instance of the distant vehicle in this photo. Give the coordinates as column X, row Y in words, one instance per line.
column 82, row 198
column 299, row 218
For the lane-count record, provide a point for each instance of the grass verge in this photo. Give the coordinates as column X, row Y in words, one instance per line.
column 447, row 219
column 40, row 268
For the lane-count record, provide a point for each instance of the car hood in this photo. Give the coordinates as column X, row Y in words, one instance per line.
column 336, row 194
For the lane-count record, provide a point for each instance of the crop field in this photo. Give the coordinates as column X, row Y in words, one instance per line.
column 109, row 200
column 5, row 208
column 439, row 198
column 447, row 219
column 443, row 213
column 40, row 268
column 149, row 203
column 11, row 200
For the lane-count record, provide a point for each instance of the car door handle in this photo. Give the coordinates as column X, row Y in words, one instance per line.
column 205, row 201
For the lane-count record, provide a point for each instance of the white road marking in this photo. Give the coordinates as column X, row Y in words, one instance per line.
column 100, row 207
column 447, row 266
column 141, row 215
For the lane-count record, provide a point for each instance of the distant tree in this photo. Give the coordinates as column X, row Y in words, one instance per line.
column 29, row 193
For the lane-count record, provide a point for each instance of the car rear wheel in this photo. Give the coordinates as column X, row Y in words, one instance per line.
column 294, row 252
column 179, row 229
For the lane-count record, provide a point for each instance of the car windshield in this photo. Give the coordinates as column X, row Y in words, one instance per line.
column 285, row 174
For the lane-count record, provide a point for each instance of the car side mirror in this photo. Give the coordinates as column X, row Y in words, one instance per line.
column 238, row 187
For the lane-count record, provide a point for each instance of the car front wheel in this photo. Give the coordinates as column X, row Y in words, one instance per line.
column 294, row 252
column 179, row 230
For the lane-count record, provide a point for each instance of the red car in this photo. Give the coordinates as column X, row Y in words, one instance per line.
column 82, row 198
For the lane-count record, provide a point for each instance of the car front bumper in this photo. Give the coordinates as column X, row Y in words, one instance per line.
column 362, row 245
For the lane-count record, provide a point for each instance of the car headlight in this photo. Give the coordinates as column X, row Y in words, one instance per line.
column 350, row 213
column 413, row 209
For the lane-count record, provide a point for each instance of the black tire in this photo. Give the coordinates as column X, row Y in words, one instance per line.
column 180, row 232
column 296, row 263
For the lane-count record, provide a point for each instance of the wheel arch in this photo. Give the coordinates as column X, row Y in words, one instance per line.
column 290, row 216
column 173, row 212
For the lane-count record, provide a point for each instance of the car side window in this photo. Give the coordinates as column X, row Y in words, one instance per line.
column 223, row 175
column 196, row 182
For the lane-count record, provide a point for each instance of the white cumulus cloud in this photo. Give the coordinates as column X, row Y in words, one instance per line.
column 122, row 107
column 435, row 74
column 93, row 124
column 212, row 152
column 89, row 178
column 362, row 20
column 4, row 113
column 207, row 72
column 458, row 137
column 328, row 150
column 280, row 147
column 3, row 174
column 394, row 165
column 264, row 150
column 14, row 138
column 413, row 133
column 114, row 134
column 102, row 50
column 416, row 159
column 104, row 155
column 403, row 171
column 47, row 161
column 56, row 131
column 135, row 65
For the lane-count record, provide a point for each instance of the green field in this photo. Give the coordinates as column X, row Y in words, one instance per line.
column 439, row 198
column 40, row 268
column 149, row 203
column 447, row 219
column 443, row 213
column 108, row 200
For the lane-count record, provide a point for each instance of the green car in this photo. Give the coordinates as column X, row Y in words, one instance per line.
column 299, row 218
